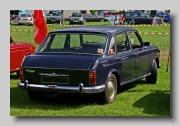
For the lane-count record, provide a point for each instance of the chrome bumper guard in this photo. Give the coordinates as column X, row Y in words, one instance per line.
column 61, row 89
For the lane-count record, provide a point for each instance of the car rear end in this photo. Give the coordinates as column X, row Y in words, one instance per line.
column 61, row 76
column 26, row 19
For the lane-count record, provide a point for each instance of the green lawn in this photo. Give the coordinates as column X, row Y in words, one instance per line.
column 136, row 99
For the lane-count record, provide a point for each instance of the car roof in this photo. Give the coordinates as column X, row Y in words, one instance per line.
column 95, row 29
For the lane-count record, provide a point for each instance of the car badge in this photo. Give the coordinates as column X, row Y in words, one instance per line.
column 30, row 70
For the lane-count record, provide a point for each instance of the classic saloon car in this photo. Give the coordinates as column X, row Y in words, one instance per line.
column 76, row 18
column 17, row 52
column 139, row 18
column 89, row 59
column 54, row 16
column 91, row 18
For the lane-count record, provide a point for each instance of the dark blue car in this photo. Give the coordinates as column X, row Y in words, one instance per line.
column 91, row 60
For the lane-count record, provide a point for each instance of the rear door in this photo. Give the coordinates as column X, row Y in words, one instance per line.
column 126, row 58
column 137, row 18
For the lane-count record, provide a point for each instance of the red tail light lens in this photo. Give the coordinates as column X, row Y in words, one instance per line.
column 21, row 77
column 92, row 77
column 19, row 18
column 30, row 19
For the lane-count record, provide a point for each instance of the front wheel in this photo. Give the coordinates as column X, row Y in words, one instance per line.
column 153, row 77
column 109, row 94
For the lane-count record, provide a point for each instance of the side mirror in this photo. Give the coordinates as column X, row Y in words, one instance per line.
column 146, row 43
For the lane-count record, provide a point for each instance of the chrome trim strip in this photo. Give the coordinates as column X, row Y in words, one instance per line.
column 135, row 79
column 54, row 68
column 60, row 75
column 69, row 89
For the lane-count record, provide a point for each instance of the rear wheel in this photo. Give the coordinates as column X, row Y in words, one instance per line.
column 109, row 94
column 36, row 95
column 153, row 77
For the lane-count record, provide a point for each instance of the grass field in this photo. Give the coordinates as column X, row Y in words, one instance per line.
column 136, row 99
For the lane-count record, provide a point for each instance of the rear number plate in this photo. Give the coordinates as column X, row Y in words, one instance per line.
column 55, row 80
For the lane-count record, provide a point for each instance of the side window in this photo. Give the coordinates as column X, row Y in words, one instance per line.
column 58, row 42
column 122, row 42
column 136, row 15
column 74, row 41
column 135, row 40
column 112, row 46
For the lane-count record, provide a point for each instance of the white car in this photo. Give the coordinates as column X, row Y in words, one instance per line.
column 26, row 19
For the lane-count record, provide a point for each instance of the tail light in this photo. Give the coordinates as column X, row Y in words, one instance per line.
column 19, row 18
column 30, row 19
column 92, row 77
column 21, row 77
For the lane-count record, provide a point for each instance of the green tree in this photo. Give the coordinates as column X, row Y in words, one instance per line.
column 94, row 11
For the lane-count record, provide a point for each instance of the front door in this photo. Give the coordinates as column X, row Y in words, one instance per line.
column 142, row 55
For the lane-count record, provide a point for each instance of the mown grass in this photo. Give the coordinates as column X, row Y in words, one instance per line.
column 136, row 99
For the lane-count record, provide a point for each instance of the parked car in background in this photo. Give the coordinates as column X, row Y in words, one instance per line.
column 91, row 18
column 55, row 16
column 139, row 18
column 15, row 13
column 89, row 60
column 18, row 50
column 76, row 18
column 26, row 19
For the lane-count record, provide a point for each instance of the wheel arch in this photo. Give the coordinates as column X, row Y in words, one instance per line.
column 116, row 73
column 156, row 59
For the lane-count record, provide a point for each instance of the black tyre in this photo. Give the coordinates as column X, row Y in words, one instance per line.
column 109, row 94
column 36, row 95
column 153, row 77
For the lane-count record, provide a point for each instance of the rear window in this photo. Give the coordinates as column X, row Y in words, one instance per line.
column 26, row 15
column 74, row 43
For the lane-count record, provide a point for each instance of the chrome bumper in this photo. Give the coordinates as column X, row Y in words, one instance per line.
column 61, row 89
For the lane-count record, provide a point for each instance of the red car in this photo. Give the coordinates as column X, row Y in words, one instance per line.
column 17, row 53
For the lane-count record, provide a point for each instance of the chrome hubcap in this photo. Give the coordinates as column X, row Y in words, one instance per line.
column 111, row 89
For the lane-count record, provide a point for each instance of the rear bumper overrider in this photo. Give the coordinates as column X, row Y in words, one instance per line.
column 61, row 89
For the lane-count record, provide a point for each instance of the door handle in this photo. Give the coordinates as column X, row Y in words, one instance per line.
column 123, row 57
column 136, row 54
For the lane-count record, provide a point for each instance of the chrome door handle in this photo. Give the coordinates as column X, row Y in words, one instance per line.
column 136, row 54
column 123, row 57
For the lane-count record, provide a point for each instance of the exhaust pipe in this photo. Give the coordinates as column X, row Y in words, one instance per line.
column 81, row 87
